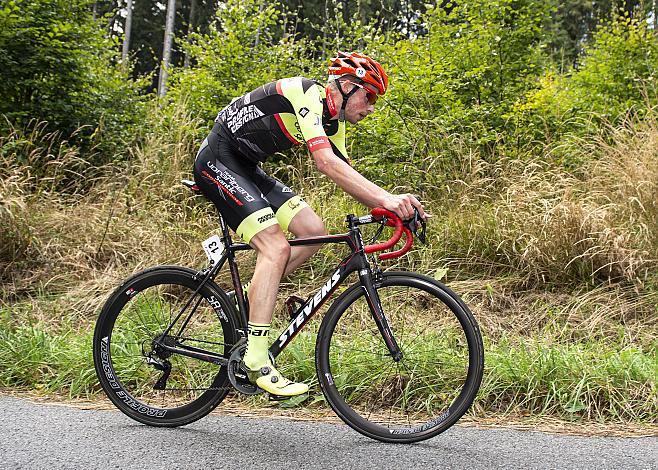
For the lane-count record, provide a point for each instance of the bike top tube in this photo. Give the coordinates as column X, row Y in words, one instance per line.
column 377, row 215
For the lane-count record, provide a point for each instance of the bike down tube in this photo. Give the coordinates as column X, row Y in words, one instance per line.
column 313, row 304
column 356, row 261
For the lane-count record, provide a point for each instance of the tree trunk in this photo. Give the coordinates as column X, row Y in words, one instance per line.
column 190, row 29
column 94, row 10
column 127, row 26
column 166, row 49
column 260, row 10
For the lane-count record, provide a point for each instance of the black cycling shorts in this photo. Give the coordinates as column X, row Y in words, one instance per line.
column 249, row 199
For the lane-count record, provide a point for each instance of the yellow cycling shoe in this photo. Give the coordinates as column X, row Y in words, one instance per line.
column 271, row 380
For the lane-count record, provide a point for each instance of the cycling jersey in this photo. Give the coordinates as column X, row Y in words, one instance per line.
column 280, row 115
column 269, row 119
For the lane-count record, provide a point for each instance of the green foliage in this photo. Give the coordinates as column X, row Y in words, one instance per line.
column 56, row 66
column 237, row 56
column 588, row 381
column 478, row 83
column 459, row 79
column 619, row 72
column 32, row 356
column 618, row 69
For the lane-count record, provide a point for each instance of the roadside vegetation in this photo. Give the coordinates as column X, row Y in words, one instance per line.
column 542, row 181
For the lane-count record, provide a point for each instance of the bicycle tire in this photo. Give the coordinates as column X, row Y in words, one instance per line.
column 139, row 311
column 434, row 383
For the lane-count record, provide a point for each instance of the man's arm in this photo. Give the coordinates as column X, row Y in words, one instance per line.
column 362, row 189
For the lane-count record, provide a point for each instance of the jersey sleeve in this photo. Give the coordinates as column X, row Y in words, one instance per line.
column 305, row 98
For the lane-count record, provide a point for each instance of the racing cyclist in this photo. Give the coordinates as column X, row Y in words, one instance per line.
column 259, row 208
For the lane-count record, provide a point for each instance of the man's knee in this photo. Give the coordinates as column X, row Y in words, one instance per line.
column 272, row 244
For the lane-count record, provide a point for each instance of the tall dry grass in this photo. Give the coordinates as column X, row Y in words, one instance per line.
column 535, row 248
column 544, row 225
column 503, row 229
column 79, row 244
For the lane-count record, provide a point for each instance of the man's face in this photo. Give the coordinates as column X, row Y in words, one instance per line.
column 359, row 105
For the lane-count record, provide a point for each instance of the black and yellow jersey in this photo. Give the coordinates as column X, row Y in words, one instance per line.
column 280, row 115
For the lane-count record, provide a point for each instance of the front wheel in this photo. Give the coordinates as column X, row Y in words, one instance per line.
column 146, row 381
column 429, row 388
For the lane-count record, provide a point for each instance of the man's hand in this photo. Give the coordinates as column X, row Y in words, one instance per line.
column 403, row 205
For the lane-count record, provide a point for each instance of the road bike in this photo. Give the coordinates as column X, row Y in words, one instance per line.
column 398, row 355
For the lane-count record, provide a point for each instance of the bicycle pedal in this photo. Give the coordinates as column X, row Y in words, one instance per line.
column 293, row 303
column 272, row 397
column 293, row 400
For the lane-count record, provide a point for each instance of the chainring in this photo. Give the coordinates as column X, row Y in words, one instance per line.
column 237, row 375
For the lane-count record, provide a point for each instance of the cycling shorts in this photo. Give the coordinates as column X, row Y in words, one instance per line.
column 248, row 199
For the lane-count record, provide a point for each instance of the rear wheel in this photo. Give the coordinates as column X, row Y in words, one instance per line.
column 147, row 382
column 425, row 392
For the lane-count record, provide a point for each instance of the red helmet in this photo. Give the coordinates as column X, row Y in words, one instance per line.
column 362, row 67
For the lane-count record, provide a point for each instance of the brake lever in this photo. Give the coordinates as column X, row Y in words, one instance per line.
column 413, row 224
column 421, row 234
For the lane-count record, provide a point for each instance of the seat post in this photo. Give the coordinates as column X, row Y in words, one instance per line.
column 224, row 227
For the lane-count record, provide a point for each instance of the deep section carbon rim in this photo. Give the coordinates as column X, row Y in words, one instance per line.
column 425, row 392
column 151, row 384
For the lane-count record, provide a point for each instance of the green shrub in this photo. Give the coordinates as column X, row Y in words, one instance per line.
column 240, row 54
column 452, row 87
column 619, row 72
column 57, row 66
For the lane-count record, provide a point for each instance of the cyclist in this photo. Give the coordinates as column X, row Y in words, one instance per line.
column 259, row 208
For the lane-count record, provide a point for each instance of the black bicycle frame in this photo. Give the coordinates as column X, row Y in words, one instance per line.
column 355, row 261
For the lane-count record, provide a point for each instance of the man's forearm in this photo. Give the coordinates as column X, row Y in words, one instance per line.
column 352, row 182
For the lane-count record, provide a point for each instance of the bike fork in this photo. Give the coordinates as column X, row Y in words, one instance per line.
column 372, row 297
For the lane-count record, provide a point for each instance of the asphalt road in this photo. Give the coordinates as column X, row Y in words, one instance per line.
column 34, row 436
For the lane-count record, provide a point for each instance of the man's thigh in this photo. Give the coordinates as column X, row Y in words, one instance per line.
column 306, row 223
column 235, row 194
column 285, row 203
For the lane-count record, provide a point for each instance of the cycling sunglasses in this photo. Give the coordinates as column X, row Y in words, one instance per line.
column 371, row 96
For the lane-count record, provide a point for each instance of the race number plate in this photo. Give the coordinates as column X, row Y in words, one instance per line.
column 214, row 248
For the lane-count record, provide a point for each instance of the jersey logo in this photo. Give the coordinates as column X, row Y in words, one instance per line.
column 303, row 112
column 266, row 217
column 286, row 189
column 236, row 118
column 360, row 72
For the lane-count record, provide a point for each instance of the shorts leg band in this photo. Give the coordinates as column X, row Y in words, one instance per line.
column 256, row 222
column 288, row 210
